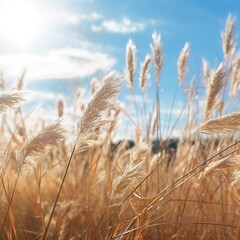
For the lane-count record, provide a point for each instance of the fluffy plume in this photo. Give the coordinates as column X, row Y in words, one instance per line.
column 21, row 81
column 131, row 174
column 213, row 167
column 235, row 76
column 206, row 72
column 182, row 63
column 224, row 124
column 103, row 99
column 51, row 136
column 10, row 100
column 130, row 62
column 228, row 41
column 78, row 100
column 157, row 54
column 93, row 85
column 60, row 106
column 139, row 154
column 126, row 181
column 215, row 84
column 144, row 72
column 220, row 106
column 78, row 95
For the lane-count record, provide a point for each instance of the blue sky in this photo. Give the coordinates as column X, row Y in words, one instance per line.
column 63, row 44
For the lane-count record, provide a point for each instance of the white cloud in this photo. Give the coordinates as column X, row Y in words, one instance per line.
column 124, row 26
column 40, row 95
column 71, row 18
column 57, row 64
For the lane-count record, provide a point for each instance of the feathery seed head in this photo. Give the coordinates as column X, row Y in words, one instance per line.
column 235, row 76
column 225, row 124
column 206, row 71
column 21, row 81
column 122, row 184
column 182, row 63
column 227, row 162
column 144, row 72
column 157, row 54
column 103, row 99
column 51, row 136
column 215, row 85
column 93, row 85
column 228, row 41
column 130, row 62
column 10, row 100
column 60, row 106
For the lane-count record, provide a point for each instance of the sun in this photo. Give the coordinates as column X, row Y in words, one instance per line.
column 19, row 21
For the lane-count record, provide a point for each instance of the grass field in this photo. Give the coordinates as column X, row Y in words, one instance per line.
column 77, row 183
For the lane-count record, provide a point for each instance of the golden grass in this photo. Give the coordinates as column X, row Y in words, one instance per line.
column 78, row 184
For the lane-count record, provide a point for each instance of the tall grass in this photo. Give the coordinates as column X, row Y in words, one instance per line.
column 79, row 184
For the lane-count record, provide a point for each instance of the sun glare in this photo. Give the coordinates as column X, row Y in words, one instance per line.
column 19, row 22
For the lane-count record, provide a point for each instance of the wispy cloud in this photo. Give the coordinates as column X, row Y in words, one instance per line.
column 69, row 18
column 124, row 26
column 39, row 95
column 56, row 64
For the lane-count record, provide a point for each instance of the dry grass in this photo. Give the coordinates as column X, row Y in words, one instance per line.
column 182, row 63
column 78, row 184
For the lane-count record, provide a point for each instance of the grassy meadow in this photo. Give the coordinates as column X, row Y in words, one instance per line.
column 77, row 183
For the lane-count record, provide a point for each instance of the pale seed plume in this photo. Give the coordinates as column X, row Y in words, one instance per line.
column 125, row 182
column 78, row 95
column 182, row 63
column 206, row 72
column 10, row 100
column 103, row 99
column 140, row 153
column 235, row 76
column 224, row 124
column 220, row 106
column 228, row 41
column 157, row 55
column 77, row 100
column 130, row 62
column 51, row 136
column 93, row 85
column 227, row 162
column 60, row 106
column 21, row 81
column 215, row 85
column 144, row 72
